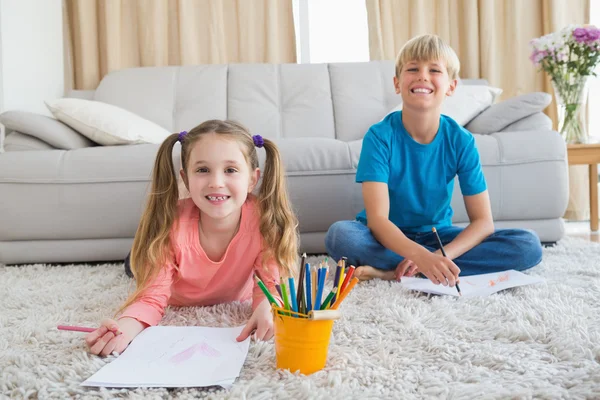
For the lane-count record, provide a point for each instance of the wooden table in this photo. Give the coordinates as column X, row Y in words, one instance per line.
column 588, row 154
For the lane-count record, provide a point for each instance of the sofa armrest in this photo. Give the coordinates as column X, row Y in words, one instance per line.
column 500, row 115
column 46, row 129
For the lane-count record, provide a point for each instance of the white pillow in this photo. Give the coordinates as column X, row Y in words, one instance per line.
column 467, row 102
column 106, row 124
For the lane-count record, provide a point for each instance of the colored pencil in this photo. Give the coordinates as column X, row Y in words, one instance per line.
column 348, row 277
column 292, row 285
column 286, row 302
column 320, row 286
column 315, row 282
column 444, row 254
column 75, row 328
column 336, row 278
column 351, row 285
column 300, row 295
column 308, row 288
column 328, row 298
column 268, row 294
column 341, row 279
column 278, row 287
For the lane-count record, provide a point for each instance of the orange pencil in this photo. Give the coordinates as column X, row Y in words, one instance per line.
column 351, row 285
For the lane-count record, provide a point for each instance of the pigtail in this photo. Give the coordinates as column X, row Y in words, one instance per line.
column 152, row 242
column 278, row 222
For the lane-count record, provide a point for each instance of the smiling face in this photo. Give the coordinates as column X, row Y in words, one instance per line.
column 423, row 85
column 218, row 176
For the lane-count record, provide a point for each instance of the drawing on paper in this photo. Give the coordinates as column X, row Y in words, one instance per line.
column 501, row 278
column 199, row 348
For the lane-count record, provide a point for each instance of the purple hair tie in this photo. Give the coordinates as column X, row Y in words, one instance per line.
column 258, row 141
column 181, row 136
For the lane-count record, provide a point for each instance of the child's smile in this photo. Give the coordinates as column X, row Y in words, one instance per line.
column 217, row 198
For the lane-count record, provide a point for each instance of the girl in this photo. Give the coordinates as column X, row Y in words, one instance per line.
column 205, row 249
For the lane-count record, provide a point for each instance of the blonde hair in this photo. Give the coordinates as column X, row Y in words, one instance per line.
column 278, row 223
column 427, row 48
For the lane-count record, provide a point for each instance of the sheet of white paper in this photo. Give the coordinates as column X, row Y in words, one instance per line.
column 474, row 285
column 176, row 356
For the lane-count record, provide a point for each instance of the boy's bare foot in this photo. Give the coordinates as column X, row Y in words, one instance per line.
column 366, row 272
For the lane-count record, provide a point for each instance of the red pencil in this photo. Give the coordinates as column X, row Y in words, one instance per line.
column 75, row 328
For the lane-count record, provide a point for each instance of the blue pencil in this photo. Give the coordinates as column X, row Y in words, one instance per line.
column 321, row 273
column 308, row 289
column 293, row 294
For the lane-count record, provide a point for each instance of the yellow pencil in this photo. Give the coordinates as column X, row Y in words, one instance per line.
column 341, row 298
column 340, row 280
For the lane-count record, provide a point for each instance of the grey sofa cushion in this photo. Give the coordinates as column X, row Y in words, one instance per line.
column 535, row 121
column 46, row 129
column 502, row 114
column 17, row 141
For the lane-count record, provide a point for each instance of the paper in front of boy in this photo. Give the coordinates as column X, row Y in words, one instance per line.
column 474, row 285
column 177, row 356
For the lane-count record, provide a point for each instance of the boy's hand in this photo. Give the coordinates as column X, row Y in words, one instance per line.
column 113, row 336
column 406, row 267
column 437, row 268
column 261, row 322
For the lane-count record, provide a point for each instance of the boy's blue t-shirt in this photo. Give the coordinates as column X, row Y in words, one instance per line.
column 420, row 177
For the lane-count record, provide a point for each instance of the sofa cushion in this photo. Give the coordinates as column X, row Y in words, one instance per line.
column 537, row 121
column 500, row 115
column 17, row 141
column 106, row 124
column 314, row 156
column 46, row 129
column 361, row 94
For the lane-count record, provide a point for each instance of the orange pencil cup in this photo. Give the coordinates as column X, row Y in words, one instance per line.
column 301, row 343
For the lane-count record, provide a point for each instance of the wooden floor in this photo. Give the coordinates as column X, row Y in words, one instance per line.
column 581, row 229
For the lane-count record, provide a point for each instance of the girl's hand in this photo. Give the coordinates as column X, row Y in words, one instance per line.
column 113, row 336
column 437, row 268
column 406, row 267
column 261, row 321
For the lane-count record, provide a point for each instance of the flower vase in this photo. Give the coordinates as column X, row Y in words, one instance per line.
column 571, row 98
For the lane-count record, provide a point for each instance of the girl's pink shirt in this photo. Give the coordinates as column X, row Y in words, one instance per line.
column 192, row 279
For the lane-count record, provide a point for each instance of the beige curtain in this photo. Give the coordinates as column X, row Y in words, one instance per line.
column 107, row 35
column 491, row 38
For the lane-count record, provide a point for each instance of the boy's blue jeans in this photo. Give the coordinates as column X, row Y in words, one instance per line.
column 504, row 249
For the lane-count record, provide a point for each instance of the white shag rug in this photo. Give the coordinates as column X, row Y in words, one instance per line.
column 538, row 341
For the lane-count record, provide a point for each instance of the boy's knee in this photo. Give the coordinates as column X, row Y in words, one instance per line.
column 532, row 247
column 333, row 233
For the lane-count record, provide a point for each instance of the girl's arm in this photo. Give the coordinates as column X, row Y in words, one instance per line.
column 481, row 225
column 147, row 310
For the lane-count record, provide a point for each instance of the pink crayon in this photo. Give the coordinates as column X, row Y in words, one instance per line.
column 75, row 328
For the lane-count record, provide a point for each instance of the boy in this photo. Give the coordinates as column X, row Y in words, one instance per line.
column 407, row 167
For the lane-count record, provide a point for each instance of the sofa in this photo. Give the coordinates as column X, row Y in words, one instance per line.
column 67, row 199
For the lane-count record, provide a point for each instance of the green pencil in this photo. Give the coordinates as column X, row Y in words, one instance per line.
column 286, row 302
column 328, row 298
column 262, row 287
